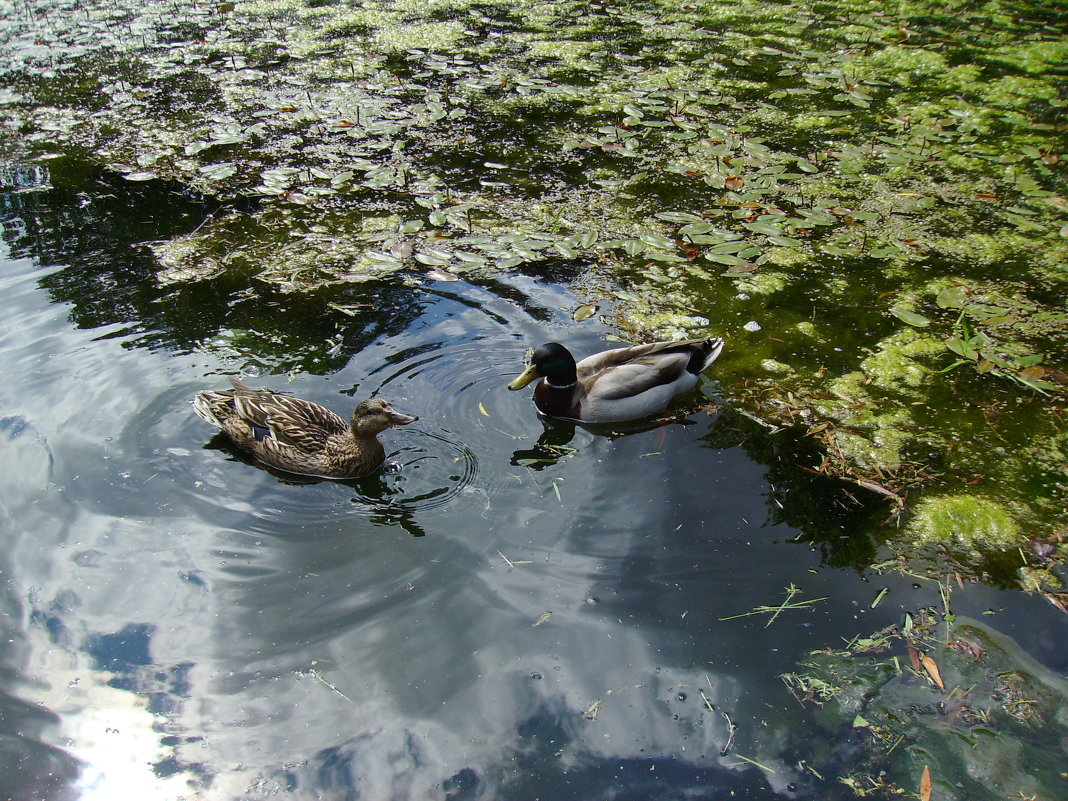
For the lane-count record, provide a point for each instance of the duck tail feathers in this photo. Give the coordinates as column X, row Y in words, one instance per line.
column 204, row 405
column 705, row 352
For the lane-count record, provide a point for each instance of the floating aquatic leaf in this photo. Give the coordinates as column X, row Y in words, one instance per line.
column 984, row 311
column 732, row 246
column 725, row 259
column 962, row 347
column 764, row 228
column 657, row 241
column 584, row 312
column 925, row 784
column 426, row 258
column 658, row 255
column 438, row 274
column 952, row 297
column 140, row 176
column 696, row 229
column 680, row 217
column 401, row 250
column 218, row 172
column 587, row 238
column 742, row 269
column 910, row 317
column 469, row 258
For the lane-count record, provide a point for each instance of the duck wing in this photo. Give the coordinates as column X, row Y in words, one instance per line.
column 625, row 372
column 292, row 421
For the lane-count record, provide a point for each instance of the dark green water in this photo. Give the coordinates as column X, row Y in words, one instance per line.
column 496, row 619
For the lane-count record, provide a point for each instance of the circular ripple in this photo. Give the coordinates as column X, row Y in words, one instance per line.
column 419, row 475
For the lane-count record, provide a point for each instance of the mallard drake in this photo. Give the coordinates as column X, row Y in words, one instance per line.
column 615, row 385
column 299, row 436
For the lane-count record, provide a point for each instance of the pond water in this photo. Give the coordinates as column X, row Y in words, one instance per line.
column 509, row 612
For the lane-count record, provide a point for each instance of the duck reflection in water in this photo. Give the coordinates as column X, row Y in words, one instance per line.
column 554, row 442
column 373, row 492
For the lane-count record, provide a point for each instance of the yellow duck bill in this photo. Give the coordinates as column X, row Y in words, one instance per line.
column 528, row 375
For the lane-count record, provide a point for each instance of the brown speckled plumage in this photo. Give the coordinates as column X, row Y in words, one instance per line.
column 299, row 436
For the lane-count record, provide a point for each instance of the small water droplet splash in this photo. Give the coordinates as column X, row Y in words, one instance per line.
column 392, row 468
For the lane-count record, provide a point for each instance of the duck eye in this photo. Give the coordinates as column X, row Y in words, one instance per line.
column 528, row 357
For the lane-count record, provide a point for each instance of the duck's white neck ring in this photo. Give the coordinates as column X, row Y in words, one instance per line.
column 560, row 386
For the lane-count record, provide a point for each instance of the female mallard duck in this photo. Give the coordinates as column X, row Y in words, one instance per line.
column 615, row 385
column 299, row 436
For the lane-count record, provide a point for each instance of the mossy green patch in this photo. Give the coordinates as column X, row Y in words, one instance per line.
column 971, row 521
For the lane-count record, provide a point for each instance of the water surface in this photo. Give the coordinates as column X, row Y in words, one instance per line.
column 511, row 612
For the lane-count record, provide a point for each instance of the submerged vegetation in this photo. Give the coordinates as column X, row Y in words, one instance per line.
column 949, row 688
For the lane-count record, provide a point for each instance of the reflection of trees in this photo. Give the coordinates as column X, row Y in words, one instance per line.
column 840, row 519
column 93, row 224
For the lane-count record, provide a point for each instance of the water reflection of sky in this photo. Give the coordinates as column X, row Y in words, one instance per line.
column 184, row 624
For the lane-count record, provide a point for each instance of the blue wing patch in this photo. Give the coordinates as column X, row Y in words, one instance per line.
column 260, row 432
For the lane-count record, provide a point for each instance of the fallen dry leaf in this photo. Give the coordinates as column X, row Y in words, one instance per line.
column 932, row 671
column 914, row 655
column 925, row 784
